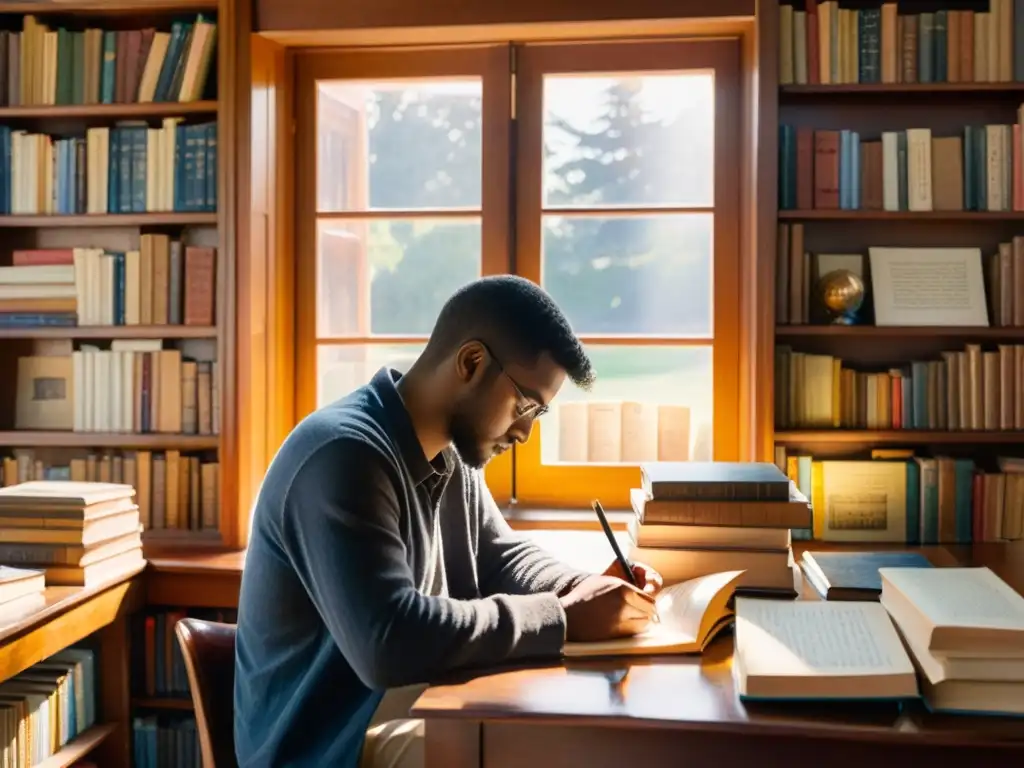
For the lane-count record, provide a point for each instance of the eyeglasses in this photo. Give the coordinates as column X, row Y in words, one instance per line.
column 526, row 406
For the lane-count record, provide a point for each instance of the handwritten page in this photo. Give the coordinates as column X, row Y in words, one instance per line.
column 808, row 638
column 685, row 616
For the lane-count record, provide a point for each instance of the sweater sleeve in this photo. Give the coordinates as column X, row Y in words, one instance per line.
column 509, row 562
column 341, row 532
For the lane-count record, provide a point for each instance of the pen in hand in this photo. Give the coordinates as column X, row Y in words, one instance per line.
column 624, row 564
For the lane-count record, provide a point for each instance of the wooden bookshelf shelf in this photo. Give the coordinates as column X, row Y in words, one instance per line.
column 896, row 332
column 179, row 704
column 112, row 332
column 897, row 437
column 877, row 215
column 111, row 220
column 78, row 747
column 153, row 109
column 986, row 90
column 107, row 7
column 150, row 441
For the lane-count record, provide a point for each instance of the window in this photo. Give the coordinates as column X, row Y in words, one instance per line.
column 620, row 198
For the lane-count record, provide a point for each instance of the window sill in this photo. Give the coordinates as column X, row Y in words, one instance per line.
column 535, row 519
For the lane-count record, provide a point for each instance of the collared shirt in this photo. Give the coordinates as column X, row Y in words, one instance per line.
column 371, row 567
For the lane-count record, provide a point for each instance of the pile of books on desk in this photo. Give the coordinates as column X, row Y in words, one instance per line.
column 964, row 629
column 78, row 534
column 693, row 519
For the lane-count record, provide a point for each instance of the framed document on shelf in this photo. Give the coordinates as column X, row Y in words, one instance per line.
column 928, row 286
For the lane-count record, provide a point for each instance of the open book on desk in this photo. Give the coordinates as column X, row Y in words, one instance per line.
column 690, row 615
column 817, row 650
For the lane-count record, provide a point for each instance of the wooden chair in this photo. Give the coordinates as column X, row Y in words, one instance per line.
column 209, row 651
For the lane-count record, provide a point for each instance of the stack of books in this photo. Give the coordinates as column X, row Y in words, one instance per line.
column 78, row 534
column 964, row 628
column 694, row 519
column 21, row 592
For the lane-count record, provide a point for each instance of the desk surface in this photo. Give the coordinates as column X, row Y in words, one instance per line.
column 697, row 693
column 56, row 601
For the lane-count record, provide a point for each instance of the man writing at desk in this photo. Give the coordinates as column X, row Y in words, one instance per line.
column 378, row 558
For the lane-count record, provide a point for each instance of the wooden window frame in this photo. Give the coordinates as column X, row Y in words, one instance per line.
column 520, row 474
column 491, row 63
column 564, row 486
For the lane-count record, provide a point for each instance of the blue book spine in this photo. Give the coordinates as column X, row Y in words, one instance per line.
column 855, row 171
column 114, row 171
column 970, row 182
column 913, row 502
column 804, row 466
column 212, row 174
column 139, row 142
column 901, row 169
column 118, row 289
column 198, row 195
column 108, row 71
column 964, row 479
column 189, row 170
column 920, row 376
column 29, row 319
column 844, row 169
column 179, row 168
column 981, row 166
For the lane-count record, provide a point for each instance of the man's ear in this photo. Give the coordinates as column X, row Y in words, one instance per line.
column 470, row 362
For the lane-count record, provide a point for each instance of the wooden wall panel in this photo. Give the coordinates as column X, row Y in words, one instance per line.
column 265, row 293
column 759, row 162
column 287, row 15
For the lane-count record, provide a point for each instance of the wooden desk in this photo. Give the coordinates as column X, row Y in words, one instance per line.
column 68, row 615
column 683, row 711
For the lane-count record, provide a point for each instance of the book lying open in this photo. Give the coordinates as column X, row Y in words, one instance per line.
column 816, row 650
column 691, row 614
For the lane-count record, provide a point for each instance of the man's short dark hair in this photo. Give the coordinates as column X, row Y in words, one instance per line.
column 517, row 319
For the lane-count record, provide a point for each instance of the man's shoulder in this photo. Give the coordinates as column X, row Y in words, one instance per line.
column 348, row 436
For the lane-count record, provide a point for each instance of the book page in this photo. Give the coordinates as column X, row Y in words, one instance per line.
column 809, row 637
column 681, row 609
column 958, row 597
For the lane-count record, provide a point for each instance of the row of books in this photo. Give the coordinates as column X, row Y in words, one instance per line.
column 48, row 705
column 134, row 387
column 163, row 282
column 907, row 170
column 44, row 66
column 173, row 490
column 967, row 389
column 897, row 497
column 158, row 667
column 165, row 741
column 76, row 534
column 825, row 44
column 798, row 271
column 130, row 168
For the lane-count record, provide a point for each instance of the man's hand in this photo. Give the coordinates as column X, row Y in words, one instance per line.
column 605, row 607
column 648, row 579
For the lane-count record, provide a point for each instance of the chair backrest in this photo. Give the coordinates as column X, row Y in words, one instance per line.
column 209, row 651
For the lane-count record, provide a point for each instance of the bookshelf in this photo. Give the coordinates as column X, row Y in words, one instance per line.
column 855, row 83
column 118, row 261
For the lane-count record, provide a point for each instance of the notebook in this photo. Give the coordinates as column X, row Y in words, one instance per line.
column 691, row 614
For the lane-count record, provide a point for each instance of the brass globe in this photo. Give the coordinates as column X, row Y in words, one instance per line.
column 842, row 294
